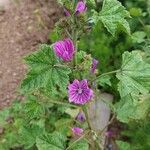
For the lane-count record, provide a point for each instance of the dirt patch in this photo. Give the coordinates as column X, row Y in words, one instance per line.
column 24, row 24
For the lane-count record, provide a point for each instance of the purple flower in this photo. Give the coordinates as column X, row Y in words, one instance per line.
column 94, row 65
column 67, row 13
column 81, row 7
column 77, row 131
column 64, row 49
column 79, row 92
column 80, row 117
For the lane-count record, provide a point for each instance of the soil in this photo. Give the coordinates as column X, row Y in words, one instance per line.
column 24, row 24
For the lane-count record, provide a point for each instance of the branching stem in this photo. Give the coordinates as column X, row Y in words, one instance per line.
column 61, row 103
column 104, row 74
column 80, row 138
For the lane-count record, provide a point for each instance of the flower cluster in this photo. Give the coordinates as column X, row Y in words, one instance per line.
column 79, row 91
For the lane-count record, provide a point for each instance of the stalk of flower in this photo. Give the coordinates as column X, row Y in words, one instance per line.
column 64, row 49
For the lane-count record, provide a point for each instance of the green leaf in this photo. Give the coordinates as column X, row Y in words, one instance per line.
column 134, row 76
column 72, row 112
column 33, row 109
column 45, row 72
column 9, row 140
column 123, row 145
column 135, row 11
column 138, row 37
column 63, row 126
column 55, row 34
column 54, row 141
column 28, row 135
column 134, row 87
column 81, row 145
column 133, row 108
column 3, row 116
column 84, row 65
column 91, row 2
column 113, row 15
column 105, row 80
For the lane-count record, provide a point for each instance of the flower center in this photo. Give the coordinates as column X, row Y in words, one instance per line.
column 80, row 91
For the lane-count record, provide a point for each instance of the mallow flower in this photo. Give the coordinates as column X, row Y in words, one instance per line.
column 81, row 7
column 94, row 65
column 77, row 131
column 64, row 49
column 79, row 92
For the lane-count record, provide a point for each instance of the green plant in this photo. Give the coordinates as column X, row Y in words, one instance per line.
column 62, row 81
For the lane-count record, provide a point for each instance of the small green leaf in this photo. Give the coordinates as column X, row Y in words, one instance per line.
column 135, row 11
column 105, row 80
column 54, row 141
column 113, row 15
column 138, row 37
column 123, row 145
column 28, row 135
column 64, row 126
column 3, row 116
column 84, row 64
column 33, row 109
column 45, row 72
column 81, row 145
column 72, row 112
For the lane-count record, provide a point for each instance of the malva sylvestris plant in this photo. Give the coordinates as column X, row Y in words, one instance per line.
column 63, row 82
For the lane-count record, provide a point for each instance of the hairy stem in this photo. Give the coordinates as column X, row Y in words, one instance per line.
column 60, row 103
column 87, row 117
column 104, row 74
column 80, row 138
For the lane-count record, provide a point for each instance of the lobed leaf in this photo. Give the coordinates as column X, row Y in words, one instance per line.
column 28, row 135
column 45, row 72
column 53, row 141
column 134, row 83
column 123, row 145
column 80, row 145
column 113, row 15
column 33, row 109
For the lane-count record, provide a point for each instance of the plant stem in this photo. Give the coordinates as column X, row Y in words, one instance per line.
column 75, row 45
column 96, row 3
column 80, row 138
column 62, row 103
column 112, row 119
column 142, row 23
column 87, row 117
column 104, row 74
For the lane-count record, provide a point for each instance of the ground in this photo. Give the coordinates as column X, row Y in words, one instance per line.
column 24, row 24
